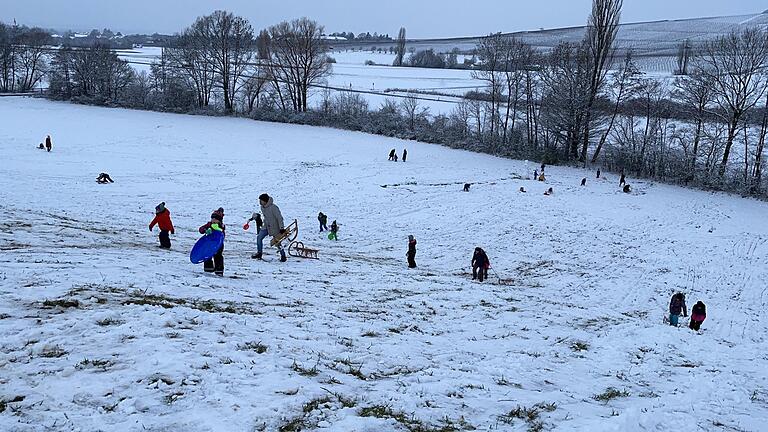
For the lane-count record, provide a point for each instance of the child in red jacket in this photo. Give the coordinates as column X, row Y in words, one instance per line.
column 163, row 220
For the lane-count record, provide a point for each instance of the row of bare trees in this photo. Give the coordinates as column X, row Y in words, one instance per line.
column 579, row 102
column 220, row 56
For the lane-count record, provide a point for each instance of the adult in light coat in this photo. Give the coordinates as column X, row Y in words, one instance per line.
column 273, row 225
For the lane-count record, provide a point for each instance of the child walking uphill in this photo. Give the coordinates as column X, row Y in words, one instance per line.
column 334, row 235
column 215, row 264
column 677, row 307
column 323, row 219
column 163, row 221
column 698, row 315
column 411, row 252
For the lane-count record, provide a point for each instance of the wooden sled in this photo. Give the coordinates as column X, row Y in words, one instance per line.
column 297, row 249
column 290, row 234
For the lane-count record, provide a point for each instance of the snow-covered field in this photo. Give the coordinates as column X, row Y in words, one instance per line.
column 101, row 330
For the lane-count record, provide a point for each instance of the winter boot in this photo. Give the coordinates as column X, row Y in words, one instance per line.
column 256, row 256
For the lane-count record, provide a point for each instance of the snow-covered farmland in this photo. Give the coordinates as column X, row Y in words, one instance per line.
column 101, row 330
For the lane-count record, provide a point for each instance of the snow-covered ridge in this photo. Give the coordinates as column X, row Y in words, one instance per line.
column 101, row 330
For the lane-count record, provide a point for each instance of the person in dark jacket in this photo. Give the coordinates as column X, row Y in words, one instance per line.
column 411, row 252
column 598, row 173
column 584, row 181
column 392, row 155
column 622, row 180
column 480, row 264
column 163, row 221
column 467, row 186
column 41, row 146
column 627, row 188
column 256, row 217
column 405, row 154
column 323, row 219
column 677, row 307
column 104, row 178
column 48, row 143
column 215, row 264
column 698, row 315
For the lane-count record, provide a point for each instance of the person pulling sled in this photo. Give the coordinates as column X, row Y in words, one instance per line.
column 480, row 264
column 274, row 226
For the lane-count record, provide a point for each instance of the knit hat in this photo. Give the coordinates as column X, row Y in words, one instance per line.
column 218, row 214
column 160, row 207
column 410, row 237
column 264, row 197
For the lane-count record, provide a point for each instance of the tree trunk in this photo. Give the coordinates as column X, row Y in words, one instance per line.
column 732, row 128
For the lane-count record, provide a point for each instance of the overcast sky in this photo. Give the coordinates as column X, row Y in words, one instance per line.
column 422, row 18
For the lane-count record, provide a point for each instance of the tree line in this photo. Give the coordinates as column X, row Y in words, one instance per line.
column 579, row 103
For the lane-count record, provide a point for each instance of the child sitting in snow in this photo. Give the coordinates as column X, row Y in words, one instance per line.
column 104, row 178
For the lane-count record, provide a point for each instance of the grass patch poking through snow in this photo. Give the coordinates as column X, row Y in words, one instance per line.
column 531, row 416
column 610, row 393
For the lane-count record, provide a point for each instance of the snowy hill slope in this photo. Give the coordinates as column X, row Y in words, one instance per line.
column 101, row 330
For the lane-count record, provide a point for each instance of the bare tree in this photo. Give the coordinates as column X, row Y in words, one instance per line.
column 624, row 82
column 602, row 27
column 695, row 94
column 684, row 54
column 492, row 53
column 532, row 106
column 262, row 45
column 517, row 58
column 400, row 49
column 298, row 58
column 757, row 173
column 253, row 89
column 565, row 96
column 7, row 58
column 188, row 59
column 95, row 73
column 732, row 63
column 30, row 59
column 410, row 107
column 227, row 45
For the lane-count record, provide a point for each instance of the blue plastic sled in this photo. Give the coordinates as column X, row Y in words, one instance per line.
column 206, row 247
